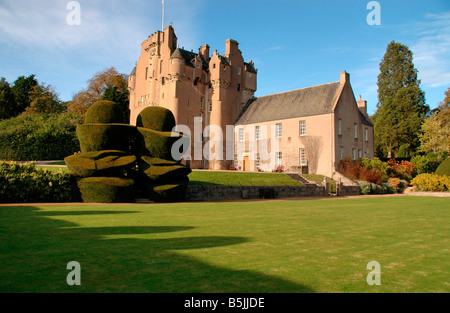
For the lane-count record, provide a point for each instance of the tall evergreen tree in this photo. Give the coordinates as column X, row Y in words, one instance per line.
column 401, row 107
column 21, row 90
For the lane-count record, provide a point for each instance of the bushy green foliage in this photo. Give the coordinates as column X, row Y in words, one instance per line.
column 162, row 171
column 105, row 112
column 155, row 143
column 379, row 165
column 20, row 183
column 38, row 137
column 99, row 137
column 425, row 163
column 444, row 168
column 431, row 182
column 367, row 188
column 399, row 184
column 107, row 189
column 100, row 163
column 156, row 118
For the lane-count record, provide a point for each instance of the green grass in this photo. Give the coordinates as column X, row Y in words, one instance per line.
column 272, row 246
column 241, row 179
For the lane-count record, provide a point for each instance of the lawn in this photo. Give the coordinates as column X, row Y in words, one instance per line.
column 241, row 179
column 271, row 246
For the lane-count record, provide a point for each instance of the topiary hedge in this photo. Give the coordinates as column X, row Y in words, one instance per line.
column 444, row 168
column 156, row 118
column 100, row 163
column 162, row 171
column 99, row 137
column 107, row 189
column 171, row 192
column 105, row 112
column 155, row 143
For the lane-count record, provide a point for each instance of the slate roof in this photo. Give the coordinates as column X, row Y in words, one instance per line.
column 292, row 104
column 188, row 56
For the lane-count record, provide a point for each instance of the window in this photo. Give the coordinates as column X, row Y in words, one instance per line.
column 210, row 106
column 366, row 134
column 303, row 161
column 146, row 73
column 257, row 133
column 356, row 131
column 202, row 103
column 302, row 128
column 241, row 134
column 341, row 153
column 214, row 66
column 279, row 158
column 238, row 87
column 239, row 71
column 354, row 154
column 160, row 66
column 359, row 153
column 257, row 160
column 279, row 130
column 339, row 127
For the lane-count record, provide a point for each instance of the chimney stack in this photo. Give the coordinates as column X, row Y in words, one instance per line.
column 362, row 106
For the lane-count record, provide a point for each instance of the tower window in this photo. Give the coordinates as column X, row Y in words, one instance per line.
column 238, row 87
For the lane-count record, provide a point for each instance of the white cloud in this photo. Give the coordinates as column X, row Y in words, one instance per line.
column 432, row 49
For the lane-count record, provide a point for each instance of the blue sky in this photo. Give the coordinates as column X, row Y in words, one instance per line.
column 294, row 43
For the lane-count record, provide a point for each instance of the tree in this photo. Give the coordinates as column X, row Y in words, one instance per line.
column 21, row 89
column 122, row 98
column 97, row 86
column 44, row 99
column 436, row 129
column 8, row 104
column 401, row 108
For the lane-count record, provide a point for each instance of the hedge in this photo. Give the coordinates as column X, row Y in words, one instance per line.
column 105, row 112
column 24, row 183
column 162, row 171
column 172, row 192
column 155, row 143
column 99, row 137
column 444, row 168
column 39, row 137
column 431, row 182
column 156, row 118
column 100, row 163
column 107, row 190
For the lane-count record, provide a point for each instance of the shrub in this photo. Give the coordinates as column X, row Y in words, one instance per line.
column 444, row 168
column 105, row 112
column 100, row 163
column 156, row 118
column 163, row 171
column 39, row 137
column 367, row 188
column 431, row 182
column 172, row 192
column 403, row 170
column 155, row 143
column 107, row 190
column 378, row 165
column 20, row 183
column 425, row 164
column 99, row 137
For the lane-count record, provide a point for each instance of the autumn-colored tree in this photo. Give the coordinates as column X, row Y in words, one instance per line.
column 96, row 88
column 436, row 129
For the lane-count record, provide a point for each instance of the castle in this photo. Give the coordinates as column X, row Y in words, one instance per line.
column 313, row 128
column 214, row 87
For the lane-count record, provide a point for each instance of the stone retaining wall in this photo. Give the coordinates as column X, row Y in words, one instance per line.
column 221, row 193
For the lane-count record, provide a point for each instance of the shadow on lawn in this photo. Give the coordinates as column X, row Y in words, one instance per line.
column 35, row 250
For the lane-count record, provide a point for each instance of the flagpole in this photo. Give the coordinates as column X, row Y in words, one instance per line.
column 162, row 15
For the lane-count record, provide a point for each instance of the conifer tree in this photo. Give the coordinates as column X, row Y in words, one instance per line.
column 401, row 107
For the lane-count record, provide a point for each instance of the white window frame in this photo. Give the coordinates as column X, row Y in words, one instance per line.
column 303, row 160
column 341, row 153
column 279, row 130
column 257, row 133
column 241, row 135
column 279, row 159
column 339, row 127
column 354, row 153
column 356, row 130
column 303, row 128
column 366, row 134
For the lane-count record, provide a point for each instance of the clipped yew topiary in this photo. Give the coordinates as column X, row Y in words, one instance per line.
column 444, row 168
column 105, row 112
column 107, row 190
column 99, row 137
column 170, row 192
column 162, row 171
column 155, row 143
column 156, row 118
column 100, row 163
